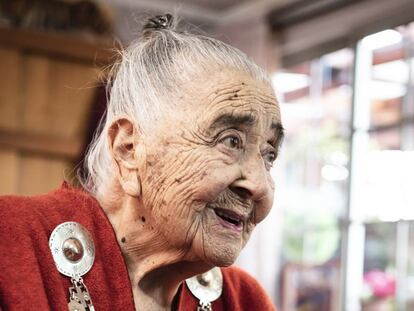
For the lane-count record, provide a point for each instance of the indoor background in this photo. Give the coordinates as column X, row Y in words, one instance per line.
column 341, row 233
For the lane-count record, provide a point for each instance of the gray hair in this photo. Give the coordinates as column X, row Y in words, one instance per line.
column 146, row 83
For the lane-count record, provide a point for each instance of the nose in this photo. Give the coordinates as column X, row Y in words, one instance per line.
column 254, row 183
column 257, row 186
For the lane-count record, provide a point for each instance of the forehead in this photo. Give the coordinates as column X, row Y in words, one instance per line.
column 233, row 92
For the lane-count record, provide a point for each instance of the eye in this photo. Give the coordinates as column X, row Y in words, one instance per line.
column 270, row 157
column 232, row 142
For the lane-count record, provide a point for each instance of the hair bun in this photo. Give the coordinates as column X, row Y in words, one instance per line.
column 158, row 22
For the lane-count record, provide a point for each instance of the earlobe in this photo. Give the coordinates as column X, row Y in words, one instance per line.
column 132, row 188
column 123, row 137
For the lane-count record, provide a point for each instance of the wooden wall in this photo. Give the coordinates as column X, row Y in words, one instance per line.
column 47, row 88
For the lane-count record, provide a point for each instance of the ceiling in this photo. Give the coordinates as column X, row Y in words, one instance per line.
column 211, row 12
column 212, row 15
column 216, row 5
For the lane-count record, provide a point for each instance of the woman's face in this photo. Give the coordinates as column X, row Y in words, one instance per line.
column 206, row 181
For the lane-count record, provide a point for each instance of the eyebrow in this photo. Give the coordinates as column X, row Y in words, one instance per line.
column 233, row 119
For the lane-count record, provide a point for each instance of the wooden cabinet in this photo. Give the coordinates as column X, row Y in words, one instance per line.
column 48, row 85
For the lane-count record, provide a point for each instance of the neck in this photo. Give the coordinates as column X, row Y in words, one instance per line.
column 156, row 268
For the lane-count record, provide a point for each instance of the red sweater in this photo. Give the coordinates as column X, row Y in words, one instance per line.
column 29, row 279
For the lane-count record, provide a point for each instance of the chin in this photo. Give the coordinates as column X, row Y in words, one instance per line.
column 218, row 245
column 221, row 256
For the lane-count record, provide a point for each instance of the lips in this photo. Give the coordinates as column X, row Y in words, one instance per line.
column 230, row 219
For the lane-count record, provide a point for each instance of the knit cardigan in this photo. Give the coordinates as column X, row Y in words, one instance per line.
column 29, row 279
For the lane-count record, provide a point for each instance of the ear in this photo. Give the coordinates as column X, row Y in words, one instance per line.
column 123, row 138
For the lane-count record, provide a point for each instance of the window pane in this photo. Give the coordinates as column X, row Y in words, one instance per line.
column 312, row 190
column 379, row 279
column 410, row 276
column 384, row 110
column 316, row 107
column 385, row 76
column 385, row 179
column 385, row 140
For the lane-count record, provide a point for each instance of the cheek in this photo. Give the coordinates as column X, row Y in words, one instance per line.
column 183, row 182
column 215, row 180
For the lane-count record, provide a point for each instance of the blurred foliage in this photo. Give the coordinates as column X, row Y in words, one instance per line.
column 311, row 238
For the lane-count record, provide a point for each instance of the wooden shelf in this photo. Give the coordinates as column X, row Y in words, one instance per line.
column 37, row 144
column 98, row 52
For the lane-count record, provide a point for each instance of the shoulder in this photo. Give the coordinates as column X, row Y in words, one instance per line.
column 19, row 213
column 243, row 289
column 43, row 210
column 28, row 272
column 31, row 219
column 25, row 225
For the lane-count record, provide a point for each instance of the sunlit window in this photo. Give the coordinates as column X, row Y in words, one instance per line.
column 316, row 100
column 348, row 169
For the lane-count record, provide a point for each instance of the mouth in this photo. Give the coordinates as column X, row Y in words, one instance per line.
column 229, row 219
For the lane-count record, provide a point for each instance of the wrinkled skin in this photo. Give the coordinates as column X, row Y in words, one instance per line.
column 214, row 152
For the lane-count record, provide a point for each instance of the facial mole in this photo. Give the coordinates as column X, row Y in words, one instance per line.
column 143, row 219
column 123, row 240
column 177, row 180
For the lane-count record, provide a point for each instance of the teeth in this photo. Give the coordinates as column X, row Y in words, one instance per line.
column 232, row 219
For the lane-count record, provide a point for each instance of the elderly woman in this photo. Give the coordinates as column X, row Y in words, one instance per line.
column 178, row 178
